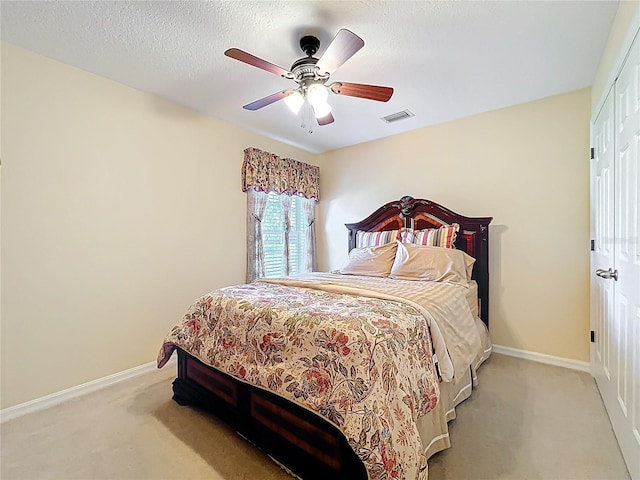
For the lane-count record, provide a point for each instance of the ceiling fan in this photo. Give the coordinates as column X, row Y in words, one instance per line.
column 312, row 74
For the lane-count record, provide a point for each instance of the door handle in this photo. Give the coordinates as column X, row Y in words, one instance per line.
column 608, row 274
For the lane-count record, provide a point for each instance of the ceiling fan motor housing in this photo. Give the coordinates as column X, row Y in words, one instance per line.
column 304, row 69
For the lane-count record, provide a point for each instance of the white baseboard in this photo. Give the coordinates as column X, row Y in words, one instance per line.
column 47, row 401
column 544, row 358
column 52, row 399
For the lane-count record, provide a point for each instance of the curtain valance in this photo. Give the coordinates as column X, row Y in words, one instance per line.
column 267, row 172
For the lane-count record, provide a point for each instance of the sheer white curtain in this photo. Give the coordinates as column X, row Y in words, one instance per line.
column 310, row 217
column 285, row 203
column 256, row 204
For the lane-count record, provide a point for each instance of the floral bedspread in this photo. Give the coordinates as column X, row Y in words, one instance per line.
column 363, row 363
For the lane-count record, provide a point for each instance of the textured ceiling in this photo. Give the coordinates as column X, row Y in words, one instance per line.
column 445, row 60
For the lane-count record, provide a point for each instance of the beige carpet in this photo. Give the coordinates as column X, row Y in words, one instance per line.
column 524, row 421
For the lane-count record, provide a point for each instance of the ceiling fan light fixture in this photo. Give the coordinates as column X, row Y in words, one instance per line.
column 317, row 94
column 321, row 110
column 294, row 101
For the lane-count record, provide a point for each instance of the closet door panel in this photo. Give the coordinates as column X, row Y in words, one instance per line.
column 602, row 258
column 625, row 414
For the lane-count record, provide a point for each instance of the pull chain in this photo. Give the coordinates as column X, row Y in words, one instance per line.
column 307, row 117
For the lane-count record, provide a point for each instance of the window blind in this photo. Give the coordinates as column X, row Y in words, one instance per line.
column 273, row 228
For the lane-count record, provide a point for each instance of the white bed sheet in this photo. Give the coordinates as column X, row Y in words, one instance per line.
column 433, row 427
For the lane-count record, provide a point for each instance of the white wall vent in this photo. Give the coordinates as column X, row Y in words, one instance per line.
column 395, row 117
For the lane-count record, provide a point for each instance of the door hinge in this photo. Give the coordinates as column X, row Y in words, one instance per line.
column 593, row 336
column 593, row 245
column 593, row 153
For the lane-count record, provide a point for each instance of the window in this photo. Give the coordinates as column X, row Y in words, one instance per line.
column 273, row 232
column 279, row 243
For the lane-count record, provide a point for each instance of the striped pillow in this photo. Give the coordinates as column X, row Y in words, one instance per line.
column 373, row 239
column 433, row 237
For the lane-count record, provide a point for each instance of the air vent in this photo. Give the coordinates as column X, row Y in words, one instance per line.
column 395, row 117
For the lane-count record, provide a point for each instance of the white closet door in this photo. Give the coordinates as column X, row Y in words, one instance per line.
column 625, row 414
column 616, row 288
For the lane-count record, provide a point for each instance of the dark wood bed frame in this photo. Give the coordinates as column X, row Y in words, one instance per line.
column 299, row 439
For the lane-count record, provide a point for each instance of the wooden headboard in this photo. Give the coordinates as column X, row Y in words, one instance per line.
column 418, row 213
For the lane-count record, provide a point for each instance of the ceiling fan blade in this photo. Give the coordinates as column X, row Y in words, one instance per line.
column 263, row 102
column 343, row 46
column 326, row 120
column 245, row 57
column 371, row 92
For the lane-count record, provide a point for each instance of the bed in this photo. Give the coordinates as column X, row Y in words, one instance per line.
column 352, row 440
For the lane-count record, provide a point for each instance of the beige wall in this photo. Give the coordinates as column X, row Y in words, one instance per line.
column 527, row 167
column 625, row 25
column 109, row 197
column 113, row 203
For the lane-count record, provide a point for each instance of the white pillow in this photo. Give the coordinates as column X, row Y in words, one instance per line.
column 436, row 264
column 372, row 261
